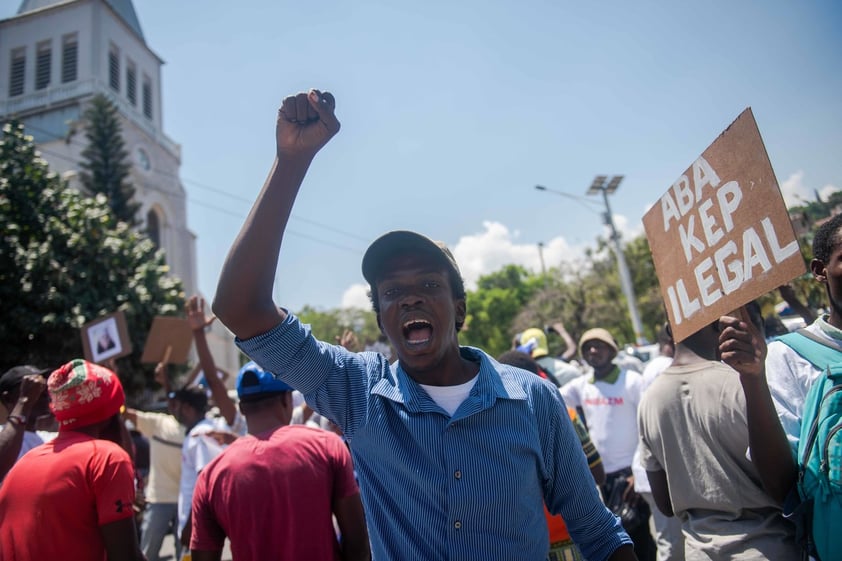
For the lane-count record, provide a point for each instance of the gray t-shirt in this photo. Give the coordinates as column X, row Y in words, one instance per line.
column 693, row 426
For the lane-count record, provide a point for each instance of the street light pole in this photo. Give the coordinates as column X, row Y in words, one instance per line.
column 599, row 185
column 543, row 267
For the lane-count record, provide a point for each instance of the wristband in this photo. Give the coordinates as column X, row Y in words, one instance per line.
column 19, row 420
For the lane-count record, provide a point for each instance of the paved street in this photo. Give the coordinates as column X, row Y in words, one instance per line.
column 168, row 550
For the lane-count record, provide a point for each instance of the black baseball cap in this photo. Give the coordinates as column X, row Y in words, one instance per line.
column 400, row 242
column 193, row 396
column 11, row 379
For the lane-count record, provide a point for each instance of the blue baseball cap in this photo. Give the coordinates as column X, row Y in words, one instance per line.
column 252, row 380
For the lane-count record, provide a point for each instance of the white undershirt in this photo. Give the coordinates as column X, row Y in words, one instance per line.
column 450, row 398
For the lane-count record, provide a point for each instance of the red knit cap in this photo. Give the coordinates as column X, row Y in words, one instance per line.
column 83, row 393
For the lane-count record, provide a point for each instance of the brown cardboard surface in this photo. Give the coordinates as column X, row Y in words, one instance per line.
column 721, row 236
column 110, row 328
column 165, row 332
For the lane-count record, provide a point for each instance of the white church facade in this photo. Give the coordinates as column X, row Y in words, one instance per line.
column 55, row 55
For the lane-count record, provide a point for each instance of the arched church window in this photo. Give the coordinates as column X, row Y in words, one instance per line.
column 153, row 228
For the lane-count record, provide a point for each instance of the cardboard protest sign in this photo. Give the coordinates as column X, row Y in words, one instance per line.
column 721, row 235
column 168, row 341
column 105, row 338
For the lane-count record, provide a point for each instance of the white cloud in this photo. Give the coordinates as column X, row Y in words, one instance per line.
column 825, row 191
column 628, row 231
column 496, row 246
column 486, row 252
column 794, row 191
column 356, row 296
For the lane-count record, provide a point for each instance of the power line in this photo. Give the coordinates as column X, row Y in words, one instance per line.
column 356, row 251
column 70, row 140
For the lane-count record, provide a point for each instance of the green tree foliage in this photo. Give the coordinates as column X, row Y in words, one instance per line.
column 493, row 306
column 329, row 324
column 66, row 260
column 105, row 165
column 811, row 211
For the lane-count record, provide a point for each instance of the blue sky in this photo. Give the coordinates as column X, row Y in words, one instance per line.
column 452, row 111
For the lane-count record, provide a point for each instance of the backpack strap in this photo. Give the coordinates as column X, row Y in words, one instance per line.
column 820, row 352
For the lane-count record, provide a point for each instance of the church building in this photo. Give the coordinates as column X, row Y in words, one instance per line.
column 55, row 55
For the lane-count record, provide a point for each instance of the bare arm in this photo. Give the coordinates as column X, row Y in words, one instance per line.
column 598, row 473
column 571, row 349
column 195, row 308
column 120, row 540
column 199, row 555
column 788, row 294
column 623, row 553
column 243, row 300
column 130, row 415
column 11, row 437
column 351, row 519
column 162, row 378
column 660, row 491
column 743, row 348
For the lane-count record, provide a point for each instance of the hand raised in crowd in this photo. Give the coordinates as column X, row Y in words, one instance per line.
column 161, row 373
column 31, row 388
column 348, row 340
column 195, row 310
column 222, row 437
column 742, row 346
column 306, row 122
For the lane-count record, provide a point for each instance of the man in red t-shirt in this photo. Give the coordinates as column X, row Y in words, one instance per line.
column 274, row 492
column 71, row 498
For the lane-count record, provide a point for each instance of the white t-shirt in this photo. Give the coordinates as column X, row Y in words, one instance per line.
column 450, row 398
column 166, row 438
column 611, row 415
column 790, row 377
column 197, row 452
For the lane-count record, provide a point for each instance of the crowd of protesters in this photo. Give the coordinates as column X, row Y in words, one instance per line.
column 442, row 453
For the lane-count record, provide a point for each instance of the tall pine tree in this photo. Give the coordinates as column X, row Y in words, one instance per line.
column 105, row 165
column 65, row 261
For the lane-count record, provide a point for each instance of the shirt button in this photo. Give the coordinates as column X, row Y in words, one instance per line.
column 457, row 524
column 458, row 474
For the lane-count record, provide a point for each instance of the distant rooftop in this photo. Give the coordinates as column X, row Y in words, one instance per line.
column 124, row 8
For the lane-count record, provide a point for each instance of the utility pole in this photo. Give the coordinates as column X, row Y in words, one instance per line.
column 599, row 185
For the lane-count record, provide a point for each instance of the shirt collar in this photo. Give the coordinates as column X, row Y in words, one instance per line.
column 829, row 330
column 610, row 379
column 493, row 382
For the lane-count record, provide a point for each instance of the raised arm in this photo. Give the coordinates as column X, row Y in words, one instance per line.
column 11, row 437
column 243, row 301
column 195, row 308
column 571, row 349
column 743, row 348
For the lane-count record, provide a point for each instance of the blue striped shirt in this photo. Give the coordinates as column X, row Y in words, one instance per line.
column 470, row 486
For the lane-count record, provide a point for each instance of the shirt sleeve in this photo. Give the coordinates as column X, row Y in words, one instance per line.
column 112, row 482
column 789, row 377
column 207, row 534
column 591, row 453
column 644, row 448
column 334, row 381
column 148, row 424
column 570, row 393
column 569, row 488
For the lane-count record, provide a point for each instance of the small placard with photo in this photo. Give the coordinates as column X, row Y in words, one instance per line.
column 106, row 338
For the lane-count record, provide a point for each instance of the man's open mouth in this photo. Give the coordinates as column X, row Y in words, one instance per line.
column 417, row 331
